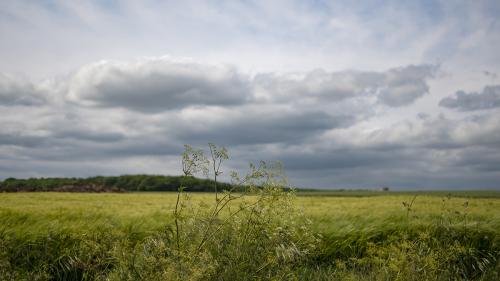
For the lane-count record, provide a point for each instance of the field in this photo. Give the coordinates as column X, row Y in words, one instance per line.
column 360, row 236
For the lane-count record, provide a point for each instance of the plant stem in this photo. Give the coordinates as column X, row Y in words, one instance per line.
column 176, row 214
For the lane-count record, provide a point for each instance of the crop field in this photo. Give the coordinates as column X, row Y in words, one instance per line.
column 394, row 236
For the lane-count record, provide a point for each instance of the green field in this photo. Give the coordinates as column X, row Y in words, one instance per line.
column 74, row 236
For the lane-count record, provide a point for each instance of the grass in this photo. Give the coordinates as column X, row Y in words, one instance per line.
column 75, row 236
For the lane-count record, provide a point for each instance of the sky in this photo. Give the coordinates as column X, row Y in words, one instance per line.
column 346, row 94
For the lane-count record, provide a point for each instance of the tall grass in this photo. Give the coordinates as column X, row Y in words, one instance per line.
column 66, row 237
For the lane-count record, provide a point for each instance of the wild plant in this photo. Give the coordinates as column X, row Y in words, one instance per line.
column 408, row 206
column 218, row 155
column 251, row 231
column 465, row 213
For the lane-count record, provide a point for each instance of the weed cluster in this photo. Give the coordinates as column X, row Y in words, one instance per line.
column 254, row 234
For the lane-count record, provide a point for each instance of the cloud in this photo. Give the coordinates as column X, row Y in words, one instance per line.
column 327, row 127
column 20, row 139
column 394, row 87
column 251, row 125
column 406, row 84
column 487, row 99
column 317, row 85
column 153, row 85
column 160, row 84
column 437, row 152
column 96, row 136
column 17, row 92
column 480, row 159
column 432, row 133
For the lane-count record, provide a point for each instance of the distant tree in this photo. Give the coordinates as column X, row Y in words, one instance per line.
column 120, row 183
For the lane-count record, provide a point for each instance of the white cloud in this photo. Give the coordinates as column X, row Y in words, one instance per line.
column 157, row 84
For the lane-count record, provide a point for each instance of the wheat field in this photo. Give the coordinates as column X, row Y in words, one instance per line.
column 360, row 237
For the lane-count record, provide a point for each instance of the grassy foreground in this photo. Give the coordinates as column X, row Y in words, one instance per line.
column 75, row 236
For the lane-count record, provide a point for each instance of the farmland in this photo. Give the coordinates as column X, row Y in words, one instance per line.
column 47, row 236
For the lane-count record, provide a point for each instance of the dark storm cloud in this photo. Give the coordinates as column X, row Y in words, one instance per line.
column 20, row 139
column 484, row 159
column 18, row 92
column 339, row 158
column 265, row 127
column 487, row 99
column 157, row 85
column 70, row 150
column 95, row 136
column 404, row 166
column 155, row 146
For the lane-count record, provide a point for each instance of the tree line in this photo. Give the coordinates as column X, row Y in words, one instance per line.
column 122, row 183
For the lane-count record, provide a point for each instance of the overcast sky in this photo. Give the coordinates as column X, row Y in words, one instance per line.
column 404, row 94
